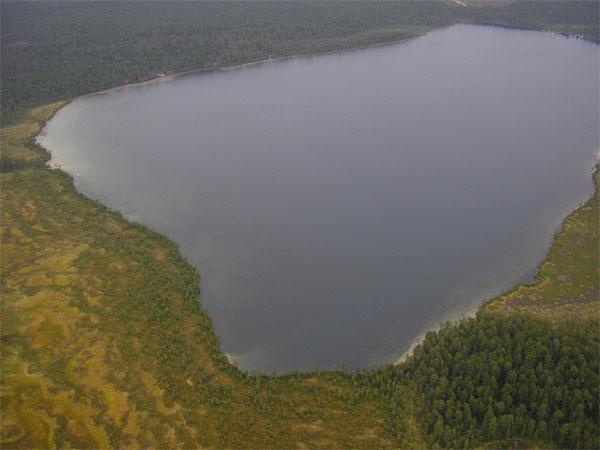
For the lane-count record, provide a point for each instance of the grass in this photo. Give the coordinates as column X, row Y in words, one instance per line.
column 104, row 342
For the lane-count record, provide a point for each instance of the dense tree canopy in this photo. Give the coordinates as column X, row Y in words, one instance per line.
column 57, row 50
column 502, row 378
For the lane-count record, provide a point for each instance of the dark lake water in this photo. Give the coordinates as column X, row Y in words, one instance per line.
column 338, row 206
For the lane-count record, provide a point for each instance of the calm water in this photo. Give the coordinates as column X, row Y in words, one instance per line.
column 337, row 206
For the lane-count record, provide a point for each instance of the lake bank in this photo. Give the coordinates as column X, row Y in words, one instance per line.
column 536, row 284
column 239, row 256
column 169, row 76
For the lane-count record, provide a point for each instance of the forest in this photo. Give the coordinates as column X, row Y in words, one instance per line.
column 507, row 380
column 105, row 343
column 61, row 49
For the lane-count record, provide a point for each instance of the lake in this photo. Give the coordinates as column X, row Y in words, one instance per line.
column 338, row 206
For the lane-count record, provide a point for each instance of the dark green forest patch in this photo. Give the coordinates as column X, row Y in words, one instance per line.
column 63, row 49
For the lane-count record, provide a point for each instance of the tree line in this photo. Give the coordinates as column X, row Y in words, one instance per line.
column 62, row 49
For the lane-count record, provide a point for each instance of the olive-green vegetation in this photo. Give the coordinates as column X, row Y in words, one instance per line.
column 105, row 344
column 56, row 50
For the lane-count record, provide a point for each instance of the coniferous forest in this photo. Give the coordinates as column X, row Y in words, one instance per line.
column 56, row 50
column 504, row 379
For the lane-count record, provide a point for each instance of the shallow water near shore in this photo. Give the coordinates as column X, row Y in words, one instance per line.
column 338, row 206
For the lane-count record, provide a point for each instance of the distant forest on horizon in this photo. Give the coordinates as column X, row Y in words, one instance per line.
column 63, row 49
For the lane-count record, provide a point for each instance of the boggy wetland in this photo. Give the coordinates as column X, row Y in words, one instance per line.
column 338, row 206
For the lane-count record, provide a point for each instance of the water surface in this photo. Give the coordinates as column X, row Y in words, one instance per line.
column 337, row 206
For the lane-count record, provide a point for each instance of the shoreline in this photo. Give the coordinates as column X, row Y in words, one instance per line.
column 481, row 303
column 168, row 76
column 582, row 37
column 171, row 76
